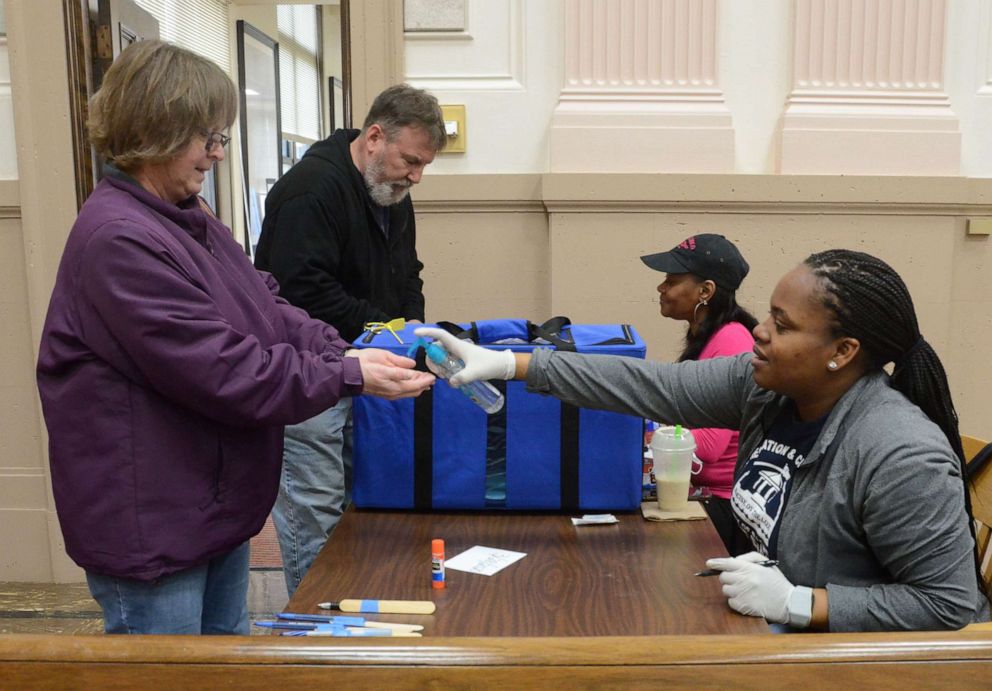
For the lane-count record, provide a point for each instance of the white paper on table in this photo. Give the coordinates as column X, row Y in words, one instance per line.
column 483, row 560
column 596, row 519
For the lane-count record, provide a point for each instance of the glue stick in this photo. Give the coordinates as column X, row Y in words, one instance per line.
column 437, row 564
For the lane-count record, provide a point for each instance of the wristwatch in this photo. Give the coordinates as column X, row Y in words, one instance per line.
column 800, row 607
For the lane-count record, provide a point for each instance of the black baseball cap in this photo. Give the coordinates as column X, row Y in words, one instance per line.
column 707, row 255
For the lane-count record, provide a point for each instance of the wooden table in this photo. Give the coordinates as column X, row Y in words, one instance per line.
column 628, row 579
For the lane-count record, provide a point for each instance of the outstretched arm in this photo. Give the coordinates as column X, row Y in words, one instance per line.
column 697, row 394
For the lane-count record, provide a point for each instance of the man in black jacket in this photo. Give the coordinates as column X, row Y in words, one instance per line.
column 340, row 237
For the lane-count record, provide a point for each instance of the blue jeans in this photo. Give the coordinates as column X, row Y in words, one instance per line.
column 208, row 599
column 315, row 488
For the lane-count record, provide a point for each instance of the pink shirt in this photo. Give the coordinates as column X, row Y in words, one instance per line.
column 717, row 448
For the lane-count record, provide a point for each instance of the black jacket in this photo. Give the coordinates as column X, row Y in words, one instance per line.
column 321, row 241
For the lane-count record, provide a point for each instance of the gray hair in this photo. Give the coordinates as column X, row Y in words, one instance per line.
column 402, row 105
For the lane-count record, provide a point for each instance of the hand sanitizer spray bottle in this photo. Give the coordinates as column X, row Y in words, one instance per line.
column 446, row 365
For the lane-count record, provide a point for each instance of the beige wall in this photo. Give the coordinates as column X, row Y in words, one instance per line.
column 484, row 243
column 538, row 246
column 45, row 203
column 23, row 488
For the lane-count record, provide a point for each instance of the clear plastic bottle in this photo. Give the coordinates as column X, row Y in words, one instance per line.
column 482, row 393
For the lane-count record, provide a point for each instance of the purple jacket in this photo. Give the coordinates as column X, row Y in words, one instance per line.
column 167, row 370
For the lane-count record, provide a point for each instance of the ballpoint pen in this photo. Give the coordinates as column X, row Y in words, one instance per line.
column 292, row 625
column 717, row 572
column 340, row 631
column 300, row 626
column 382, row 606
column 345, row 631
column 322, row 619
column 347, row 621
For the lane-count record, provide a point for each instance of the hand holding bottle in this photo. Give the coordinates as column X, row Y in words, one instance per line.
column 480, row 363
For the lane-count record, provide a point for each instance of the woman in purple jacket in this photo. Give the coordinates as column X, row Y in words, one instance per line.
column 169, row 365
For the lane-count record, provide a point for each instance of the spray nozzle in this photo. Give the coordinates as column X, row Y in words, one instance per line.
column 434, row 350
column 678, row 431
column 412, row 350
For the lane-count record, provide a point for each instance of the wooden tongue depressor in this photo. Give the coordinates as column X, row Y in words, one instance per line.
column 394, row 627
column 382, row 606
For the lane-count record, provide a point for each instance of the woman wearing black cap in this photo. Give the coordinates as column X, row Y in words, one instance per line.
column 851, row 478
column 703, row 274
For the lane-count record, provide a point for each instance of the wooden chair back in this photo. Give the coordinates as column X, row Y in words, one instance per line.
column 981, row 505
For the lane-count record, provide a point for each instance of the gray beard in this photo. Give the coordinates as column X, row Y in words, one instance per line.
column 383, row 193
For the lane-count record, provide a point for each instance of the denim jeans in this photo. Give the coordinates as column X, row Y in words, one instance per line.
column 208, row 599
column 315, row 488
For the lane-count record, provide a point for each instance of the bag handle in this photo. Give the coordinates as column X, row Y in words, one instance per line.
column 551, row 331
column 458, row 332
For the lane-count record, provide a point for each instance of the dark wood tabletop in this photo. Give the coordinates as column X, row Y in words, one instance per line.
column 628, row 579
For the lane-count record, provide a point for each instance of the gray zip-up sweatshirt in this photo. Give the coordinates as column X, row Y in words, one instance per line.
column 876, row 511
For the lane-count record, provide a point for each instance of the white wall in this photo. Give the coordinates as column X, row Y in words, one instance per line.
column 506, row 69
column 968, row 71
column 755, row 44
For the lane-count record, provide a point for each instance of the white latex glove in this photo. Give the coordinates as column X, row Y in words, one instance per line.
column 480, row 363
column 752, row 589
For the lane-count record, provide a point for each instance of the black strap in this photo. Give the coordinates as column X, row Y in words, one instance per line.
column 423, row 444
column 551, row 331
column 458, row 332
column 975, row 465
column 555, row 324
column 569, row 470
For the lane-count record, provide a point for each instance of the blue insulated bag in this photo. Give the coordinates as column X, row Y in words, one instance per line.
column 441, row 451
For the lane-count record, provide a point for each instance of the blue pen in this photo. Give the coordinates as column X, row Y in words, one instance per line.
column 322, row 618
column 340, row 627
column 300, row 626
column 340, row 631
column 306, row 622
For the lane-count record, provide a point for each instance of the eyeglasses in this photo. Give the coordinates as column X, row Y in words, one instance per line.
column 215, row 138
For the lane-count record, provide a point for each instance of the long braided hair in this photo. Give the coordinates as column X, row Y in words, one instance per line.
column 722, row 308
column 871, row 303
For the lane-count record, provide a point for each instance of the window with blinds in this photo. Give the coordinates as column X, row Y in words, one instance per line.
column 299, row 74
column 198, row 25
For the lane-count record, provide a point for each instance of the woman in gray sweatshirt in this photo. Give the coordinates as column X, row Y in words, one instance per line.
column 850, row 478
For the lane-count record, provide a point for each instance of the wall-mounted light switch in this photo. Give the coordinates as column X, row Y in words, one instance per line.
column 454, row 127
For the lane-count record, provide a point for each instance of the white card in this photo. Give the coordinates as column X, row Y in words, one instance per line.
column 483, row 560
column 596, row 519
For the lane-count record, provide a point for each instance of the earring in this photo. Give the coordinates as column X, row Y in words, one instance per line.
column 831, row 365
column 702, row 303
